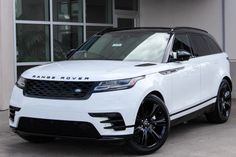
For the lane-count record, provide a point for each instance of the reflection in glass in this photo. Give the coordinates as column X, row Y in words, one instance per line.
column 66, row 38
column 33, row 43
column 125, row 46
column 99, row 11
column 36, row 10
column 68, row 10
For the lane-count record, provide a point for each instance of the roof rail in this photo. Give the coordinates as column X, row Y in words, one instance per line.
column 171, row 29
column 189, row 28
column 112, row 29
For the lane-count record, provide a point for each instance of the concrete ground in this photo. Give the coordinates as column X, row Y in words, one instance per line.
column 193, row 139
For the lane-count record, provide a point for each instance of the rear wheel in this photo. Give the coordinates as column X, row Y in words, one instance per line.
column 151, row 127
column 222, row 109
column 36, row 139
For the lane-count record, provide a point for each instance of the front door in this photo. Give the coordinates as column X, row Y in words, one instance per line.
column 186, row 85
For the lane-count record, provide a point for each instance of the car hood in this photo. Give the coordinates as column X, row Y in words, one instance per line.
column 88, row 70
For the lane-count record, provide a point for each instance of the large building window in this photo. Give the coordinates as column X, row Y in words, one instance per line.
column 68, row 10
column 126, row 4
column 47, row 29
column 37, row 10
column 99, row 11
column 65, row 38
column 33, row 43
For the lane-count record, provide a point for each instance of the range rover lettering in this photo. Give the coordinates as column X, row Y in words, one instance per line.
column 128, row 84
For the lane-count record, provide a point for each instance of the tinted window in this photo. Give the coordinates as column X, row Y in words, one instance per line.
column 214, row 48
column 181, row 43
column 200, row 45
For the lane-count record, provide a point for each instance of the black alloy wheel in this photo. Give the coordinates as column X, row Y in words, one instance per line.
column 151, row 127
column 222, row 109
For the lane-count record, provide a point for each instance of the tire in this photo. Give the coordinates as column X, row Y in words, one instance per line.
column 37, row 139
column 151, row 126
column 222, row 108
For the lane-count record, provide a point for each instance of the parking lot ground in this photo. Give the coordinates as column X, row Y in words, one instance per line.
column 197, row 138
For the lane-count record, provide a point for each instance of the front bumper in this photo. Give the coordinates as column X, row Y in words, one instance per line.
column 123, row 102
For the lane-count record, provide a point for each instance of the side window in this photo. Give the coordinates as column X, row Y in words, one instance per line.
column 200, row 47
column 181, row 43
column 213, row 46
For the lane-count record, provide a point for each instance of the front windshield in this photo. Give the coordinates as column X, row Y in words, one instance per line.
column 145, row 46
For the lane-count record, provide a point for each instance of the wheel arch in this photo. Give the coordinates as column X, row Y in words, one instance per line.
column 158, row 94
column 229, row 81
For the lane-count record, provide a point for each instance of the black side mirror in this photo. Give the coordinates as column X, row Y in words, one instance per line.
column 181, row 55
column 70, row 53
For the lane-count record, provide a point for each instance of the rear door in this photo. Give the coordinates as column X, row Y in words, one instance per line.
column 206, row 55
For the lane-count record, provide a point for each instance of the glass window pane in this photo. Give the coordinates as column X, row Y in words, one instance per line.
column 200, row 46
column 21, row 69
column 66, row 38
column 126, row 4
column 33, row 43
column 99, row 11
column 68, row 10
column 125, row 23
column 91, row 30
column 181, row 43
column 37, row 10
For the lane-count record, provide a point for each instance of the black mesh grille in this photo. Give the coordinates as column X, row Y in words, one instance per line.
column 58, row 89
column 58, row 128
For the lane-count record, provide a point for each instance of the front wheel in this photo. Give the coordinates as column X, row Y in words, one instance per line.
column 222, row 109
column 151, row 126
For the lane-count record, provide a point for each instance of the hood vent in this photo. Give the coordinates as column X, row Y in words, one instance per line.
column 145, row 64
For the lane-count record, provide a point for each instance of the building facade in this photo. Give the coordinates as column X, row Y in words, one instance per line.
column 42, row 31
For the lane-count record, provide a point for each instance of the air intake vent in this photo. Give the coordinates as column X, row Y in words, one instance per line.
column 115, row 119
column 13, row 111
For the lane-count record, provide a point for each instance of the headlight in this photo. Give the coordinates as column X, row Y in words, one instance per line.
column 21, row 82
column 117, row 84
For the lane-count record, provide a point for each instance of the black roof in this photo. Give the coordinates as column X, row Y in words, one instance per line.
column 158, row 29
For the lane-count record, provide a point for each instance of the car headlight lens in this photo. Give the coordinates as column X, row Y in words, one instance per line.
column 21, row 82
column 117, row 84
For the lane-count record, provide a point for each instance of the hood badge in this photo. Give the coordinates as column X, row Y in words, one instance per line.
column 60, row 78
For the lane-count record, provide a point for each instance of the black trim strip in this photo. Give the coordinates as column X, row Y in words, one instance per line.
column 192, row 106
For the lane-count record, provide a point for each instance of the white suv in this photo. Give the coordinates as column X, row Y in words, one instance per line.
column 130, row 84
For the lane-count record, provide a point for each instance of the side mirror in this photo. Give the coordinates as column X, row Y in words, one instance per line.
column 70, row 53
column 181, row 55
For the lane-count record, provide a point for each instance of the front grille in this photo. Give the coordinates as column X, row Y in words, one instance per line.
column 58, row 89
column 58, row 128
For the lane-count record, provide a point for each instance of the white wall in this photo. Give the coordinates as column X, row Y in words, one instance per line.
column 230, row 26
column 230, row 34
column 204, row 14
column 6, row 52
